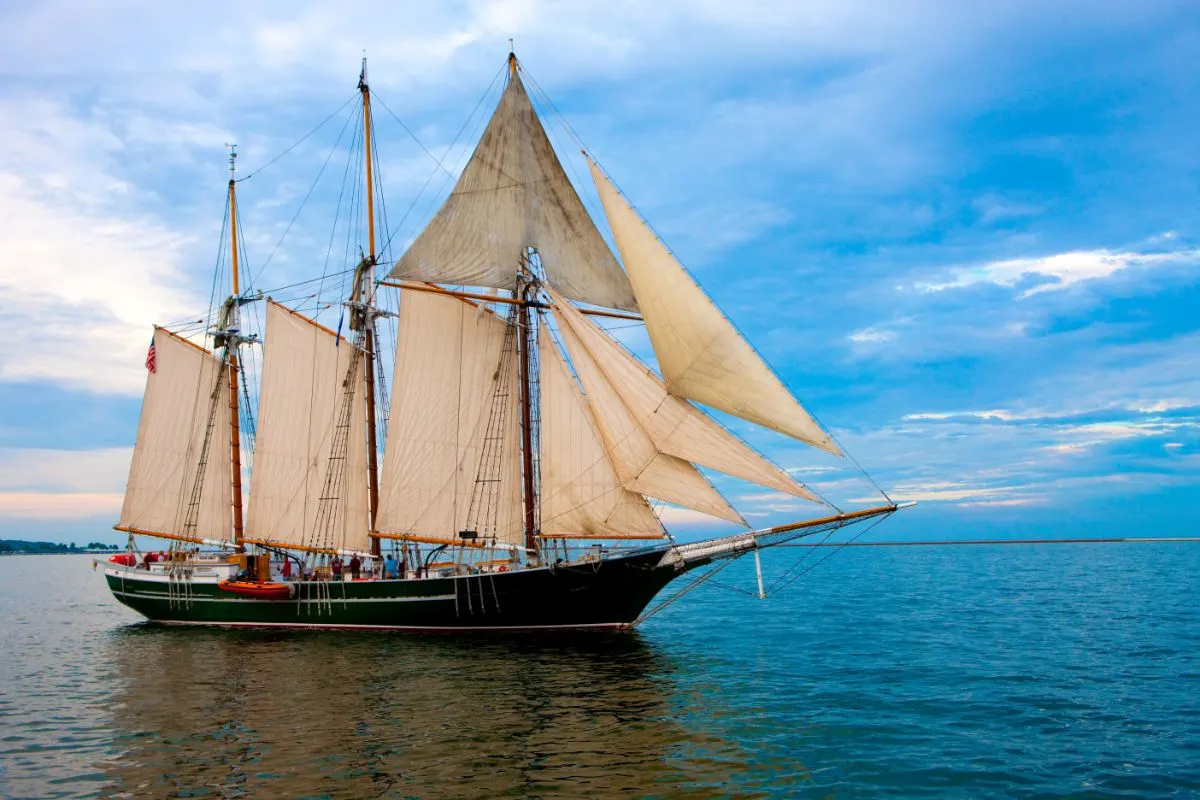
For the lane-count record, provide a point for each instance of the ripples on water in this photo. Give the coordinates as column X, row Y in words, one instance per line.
column 984, row 671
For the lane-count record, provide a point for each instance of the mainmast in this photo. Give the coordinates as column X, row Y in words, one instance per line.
column 235, row 430
column 527, row 295
column 366, row 289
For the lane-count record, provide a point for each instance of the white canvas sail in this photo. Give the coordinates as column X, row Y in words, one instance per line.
column 448, row 356
column 512, row 195
column 638, row 462
column 673, row 424
column 301, row 424
column 701, row 355
column 175, row 421
column 581, row 492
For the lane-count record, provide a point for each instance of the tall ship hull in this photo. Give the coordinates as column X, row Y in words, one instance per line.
column 608, row 595
column 509, row 471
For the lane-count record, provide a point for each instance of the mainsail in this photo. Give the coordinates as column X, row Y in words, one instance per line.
column 701, row 355
column 176, row 487
column 674, row 425
column 513, row 195
column 448, row 383
column 580, row 490
column 310, row 459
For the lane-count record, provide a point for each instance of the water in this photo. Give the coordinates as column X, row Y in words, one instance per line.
column 1054, row 671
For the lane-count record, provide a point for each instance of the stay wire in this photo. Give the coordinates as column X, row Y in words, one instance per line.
column 449, row 149
column 307, row 196
column 301, row 140
column 830, row 554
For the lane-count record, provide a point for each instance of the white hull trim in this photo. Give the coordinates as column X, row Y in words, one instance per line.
column 595, row 626
column 183, row 598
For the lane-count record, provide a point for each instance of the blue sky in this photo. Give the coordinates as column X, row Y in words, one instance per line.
column 966, row 235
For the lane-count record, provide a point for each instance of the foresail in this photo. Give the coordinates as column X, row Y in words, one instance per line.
column 512, row 195
column 581, row 492
column 701, row 355
column 674, row 425
column 309, row 484
column 179, row 412
column 448, row 387
column 639, row 464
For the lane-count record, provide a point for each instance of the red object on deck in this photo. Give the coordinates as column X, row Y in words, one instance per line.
column 259, row 591
column 124, row 559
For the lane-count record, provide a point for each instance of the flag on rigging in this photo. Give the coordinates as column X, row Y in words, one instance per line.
column 151, row 364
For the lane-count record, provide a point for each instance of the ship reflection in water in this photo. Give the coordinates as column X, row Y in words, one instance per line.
column 214, row 713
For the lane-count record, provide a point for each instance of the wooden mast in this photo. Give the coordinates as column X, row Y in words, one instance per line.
column 524, row 343
column 524, row 349
column 368, row 293
column 235, row 429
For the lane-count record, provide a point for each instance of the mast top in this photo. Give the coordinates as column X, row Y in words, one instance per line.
column 362, row 75
column 512, row 59
column 232, row 160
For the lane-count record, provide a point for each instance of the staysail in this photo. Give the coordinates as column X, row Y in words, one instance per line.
column 310, row 459
column 581, row 492
column 513, row 195
column 638, row 462
column 179, row 411
column 449, row 387
column 701, row 355
column 674, row 425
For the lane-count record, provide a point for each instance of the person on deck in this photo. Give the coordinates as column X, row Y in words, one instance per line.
column 355, row 567
column 335, row 568
column 286, row 571
column 391, row 567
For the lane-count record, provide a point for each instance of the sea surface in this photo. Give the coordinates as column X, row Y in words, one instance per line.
column 986, row 671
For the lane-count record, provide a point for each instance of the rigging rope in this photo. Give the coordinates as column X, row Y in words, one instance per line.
column 301, row 140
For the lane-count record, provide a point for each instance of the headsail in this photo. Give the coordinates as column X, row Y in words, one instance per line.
column 448, row 356
column 581, row 492
column 701, row 354
column 638, row 462
column 179, row 412
column 512, row 195
column 310, row 459
column 673, row 424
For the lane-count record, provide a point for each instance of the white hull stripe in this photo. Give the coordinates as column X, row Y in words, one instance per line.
column 183, row 598
column 611, row 626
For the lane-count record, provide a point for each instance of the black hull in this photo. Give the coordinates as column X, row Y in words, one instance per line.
column 608, row 595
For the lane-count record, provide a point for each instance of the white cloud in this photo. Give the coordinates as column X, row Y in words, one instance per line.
column 1056, row 272
column 83, row 274
column 872, row 336
column 59, row 505
column 938, row 491
column 37, row 484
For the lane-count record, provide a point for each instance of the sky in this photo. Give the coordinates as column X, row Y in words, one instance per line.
column 965, row 234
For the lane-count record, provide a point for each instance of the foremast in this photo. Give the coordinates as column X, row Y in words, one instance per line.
column 363, row 312
column 232, row 346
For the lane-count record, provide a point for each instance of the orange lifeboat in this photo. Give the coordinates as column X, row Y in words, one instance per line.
column 259, row 591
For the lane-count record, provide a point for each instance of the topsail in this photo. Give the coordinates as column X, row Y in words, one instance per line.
column 513, row 195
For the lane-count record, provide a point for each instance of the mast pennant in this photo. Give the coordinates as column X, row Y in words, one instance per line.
column 701, row 355
column 513, row 194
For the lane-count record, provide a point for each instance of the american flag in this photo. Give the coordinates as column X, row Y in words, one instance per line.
column 151, row 365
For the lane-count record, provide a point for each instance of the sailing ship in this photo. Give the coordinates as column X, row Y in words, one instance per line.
column 507, row 485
